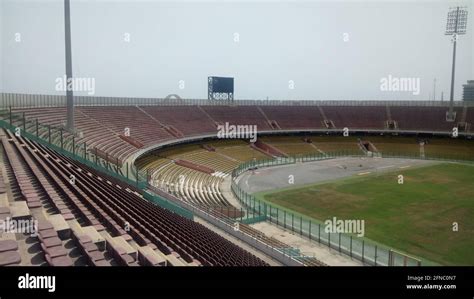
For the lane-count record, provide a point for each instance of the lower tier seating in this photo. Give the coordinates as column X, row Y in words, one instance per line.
column 107, row 203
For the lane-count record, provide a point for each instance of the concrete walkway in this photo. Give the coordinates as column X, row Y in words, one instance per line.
column 321, row 252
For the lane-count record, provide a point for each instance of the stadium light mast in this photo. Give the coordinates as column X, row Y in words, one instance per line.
column 456, row 25
column 69, row 92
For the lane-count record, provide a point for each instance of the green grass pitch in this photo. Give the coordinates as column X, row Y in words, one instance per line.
column 416, row 217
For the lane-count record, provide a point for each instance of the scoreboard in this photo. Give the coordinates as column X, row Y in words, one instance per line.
column 220, row 88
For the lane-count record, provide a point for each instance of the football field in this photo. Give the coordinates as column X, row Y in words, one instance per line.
column 429, row 215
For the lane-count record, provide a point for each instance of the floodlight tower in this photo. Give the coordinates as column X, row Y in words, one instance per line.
column 69, row 93
column 456, row 25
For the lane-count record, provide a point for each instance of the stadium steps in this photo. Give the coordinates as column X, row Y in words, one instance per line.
column 207, row 115
column 323, row 115
column 271, row 123
column 242, row 153
column 388, row 112
column 291, row 145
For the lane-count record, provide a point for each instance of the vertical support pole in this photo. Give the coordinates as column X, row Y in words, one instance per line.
column 61, row 134
column 292, row 222
column 339, row 242
column 24, row 122
column 363, row 248
column 127, row 170
column 73, row 145
column 252, row 204
column 301, row 225
column 350, row 250
column 375, row 258
column 451, row 96
column 309, row 230
column 37, row 128
column 265, row 211
column 10, row 116
column 319, row 233
column 49, row 134
column 69, row 92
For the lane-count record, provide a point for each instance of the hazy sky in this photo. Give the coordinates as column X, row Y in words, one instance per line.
column 329, row 49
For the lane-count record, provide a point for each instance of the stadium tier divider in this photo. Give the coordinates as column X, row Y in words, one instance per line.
column 362, row 249
column 66, row 145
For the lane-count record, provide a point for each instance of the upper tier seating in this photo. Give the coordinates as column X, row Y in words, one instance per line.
column 296, row 117
column 424, row 118
column 142, row 127
column 190, row 120
column 238, row 115
column 150, row 125
column 370, row 117
column 95, row 133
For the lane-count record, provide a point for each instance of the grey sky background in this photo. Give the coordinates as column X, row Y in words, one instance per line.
column 279, row 41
